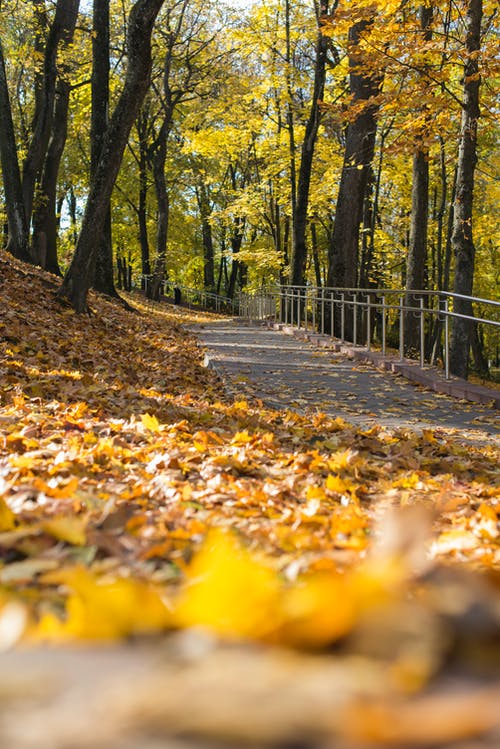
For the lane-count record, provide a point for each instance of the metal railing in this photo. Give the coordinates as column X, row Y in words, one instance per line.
column 192, row 298
column 413, row 322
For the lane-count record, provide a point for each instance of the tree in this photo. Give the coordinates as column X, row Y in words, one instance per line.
column 45, row 222
column 462, row 239
column 60, row 28
column 365, row 85
column 417, row 251
column 103, row 275
column 18, row 242
column 299, row 249
column 79, row 275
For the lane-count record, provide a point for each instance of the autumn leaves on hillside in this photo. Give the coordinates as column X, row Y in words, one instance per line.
column 125, row 469
column 138, row 499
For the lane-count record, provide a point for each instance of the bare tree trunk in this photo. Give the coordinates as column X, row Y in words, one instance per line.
column 462, row 238
column 78, row 278
column 18, row 242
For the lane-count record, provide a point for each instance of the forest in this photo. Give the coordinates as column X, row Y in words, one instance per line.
column 339, row 144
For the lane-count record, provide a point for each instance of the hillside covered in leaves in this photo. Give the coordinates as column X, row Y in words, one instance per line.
column 137, row 497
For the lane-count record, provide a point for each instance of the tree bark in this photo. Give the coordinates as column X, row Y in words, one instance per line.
column 18, row 242
column 44, row 240
column 45, row 225
column 417, row 253
column 299, row 248
column 206, row 234
column 462, row 238
column 238, row 268
column 64, row 20
column 359, row 151
column 103, row 276
column 79, row 276
column 143, row 194
column 162, row 203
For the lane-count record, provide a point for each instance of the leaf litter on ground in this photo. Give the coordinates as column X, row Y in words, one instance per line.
column 137, row 498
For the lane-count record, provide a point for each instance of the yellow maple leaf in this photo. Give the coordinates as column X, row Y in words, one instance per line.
column 228, row 591
column 317, row 611
column 338, row 485
column 7, row 517
column 66, row 528
column 150, row 422
column 99, row 609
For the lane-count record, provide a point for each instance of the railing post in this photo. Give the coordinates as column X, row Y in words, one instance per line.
column 292, row 295
column 401, row 328
column 446, row 341
column 322, row 311
column 332, row 315
column 422, row 333
column 354, row 318
column 306, row 323
column 368, row 322
column 342, row 318
column 383, row 325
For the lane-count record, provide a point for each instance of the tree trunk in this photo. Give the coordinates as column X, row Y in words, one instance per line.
column 18, row 243
column 206, row 234
column 290, row 120
column 315, row 254
column 44, row 240
column 238, row 269
column 359, row 150
column 103, row 280
column 462, row 238
column 45, row 225
column 299, row 248
column 79, row 276
column 417, row 253
column 160, row 158
column 143, row 196
column 64, row 21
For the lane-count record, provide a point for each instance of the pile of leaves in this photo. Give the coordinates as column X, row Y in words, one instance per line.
column 137, row 497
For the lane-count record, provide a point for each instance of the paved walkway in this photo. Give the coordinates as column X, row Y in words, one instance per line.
column 285, row 372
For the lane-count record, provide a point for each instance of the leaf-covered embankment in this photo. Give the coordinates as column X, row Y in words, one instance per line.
column 136, row 497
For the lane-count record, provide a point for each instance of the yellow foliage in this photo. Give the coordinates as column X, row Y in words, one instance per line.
column 150, row 422
column 99, row 609
column 228, row 591
column 7, row 517
column 66, row 528
column 317, row 611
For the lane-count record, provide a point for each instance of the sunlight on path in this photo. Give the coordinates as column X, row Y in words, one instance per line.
column 286, row 373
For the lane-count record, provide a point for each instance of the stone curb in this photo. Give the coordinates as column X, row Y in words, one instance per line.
column 430, row 377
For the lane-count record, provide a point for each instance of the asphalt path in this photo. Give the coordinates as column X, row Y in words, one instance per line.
column 284, row 372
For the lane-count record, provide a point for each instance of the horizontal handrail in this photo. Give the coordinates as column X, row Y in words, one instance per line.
column 351, row 313
column 193, row 296
column 406, row 292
